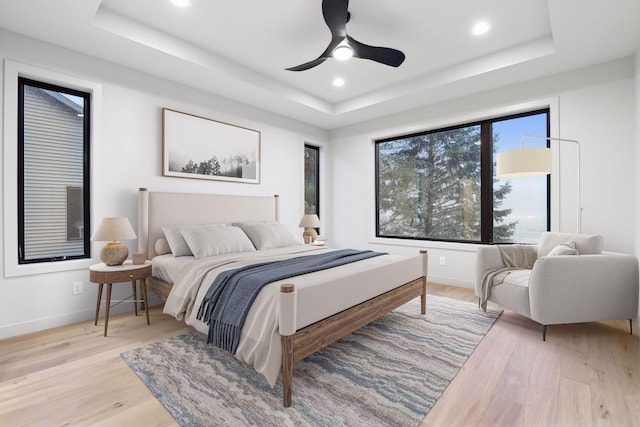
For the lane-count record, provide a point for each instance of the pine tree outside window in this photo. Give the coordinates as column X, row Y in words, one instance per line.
column 312, row 180
column 441, row 185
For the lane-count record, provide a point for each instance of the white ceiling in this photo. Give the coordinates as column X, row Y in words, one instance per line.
column 240, row 49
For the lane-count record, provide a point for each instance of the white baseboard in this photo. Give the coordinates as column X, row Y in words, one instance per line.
column 450, row 281
column 64, row 319
column 43, row 323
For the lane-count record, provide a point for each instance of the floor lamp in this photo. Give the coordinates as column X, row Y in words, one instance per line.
column 533, row 161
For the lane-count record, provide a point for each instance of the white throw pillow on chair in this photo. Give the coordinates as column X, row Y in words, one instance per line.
column 568, row 248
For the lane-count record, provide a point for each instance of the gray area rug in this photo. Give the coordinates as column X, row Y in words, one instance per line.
column 389, row 373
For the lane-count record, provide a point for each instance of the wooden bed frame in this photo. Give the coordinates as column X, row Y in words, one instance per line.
column 157, row 209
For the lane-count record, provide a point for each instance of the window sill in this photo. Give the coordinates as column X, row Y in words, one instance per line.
column 426, row 244
column 47, row 267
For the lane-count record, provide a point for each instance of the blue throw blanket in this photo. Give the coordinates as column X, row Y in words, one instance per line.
column 228, row 300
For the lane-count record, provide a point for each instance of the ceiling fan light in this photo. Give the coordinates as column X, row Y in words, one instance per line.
column 342, row 53
column 181, row 3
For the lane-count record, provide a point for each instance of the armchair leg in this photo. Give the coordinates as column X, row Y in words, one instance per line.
column 544, row 332
column 631, row 326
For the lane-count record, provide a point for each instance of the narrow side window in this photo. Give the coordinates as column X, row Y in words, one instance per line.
column 311, row 179
column 53, row 172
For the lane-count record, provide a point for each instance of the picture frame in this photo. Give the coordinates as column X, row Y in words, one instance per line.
column 202, row 148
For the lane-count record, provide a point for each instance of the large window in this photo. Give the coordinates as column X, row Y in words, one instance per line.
column 441, row 185
column 53, row 172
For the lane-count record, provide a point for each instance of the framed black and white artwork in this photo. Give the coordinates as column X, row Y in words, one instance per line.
column 202, row 148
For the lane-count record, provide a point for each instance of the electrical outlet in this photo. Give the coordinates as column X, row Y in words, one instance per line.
column 443, row 261
column 77, row 288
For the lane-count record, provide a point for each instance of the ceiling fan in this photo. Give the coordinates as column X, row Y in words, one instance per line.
column 343, row 46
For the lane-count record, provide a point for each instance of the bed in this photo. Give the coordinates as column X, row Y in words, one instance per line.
column 290, row 319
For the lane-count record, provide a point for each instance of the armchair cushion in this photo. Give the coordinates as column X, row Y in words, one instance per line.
column 586, row 244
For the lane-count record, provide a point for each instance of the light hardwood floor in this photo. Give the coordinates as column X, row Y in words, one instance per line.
column 583, row 375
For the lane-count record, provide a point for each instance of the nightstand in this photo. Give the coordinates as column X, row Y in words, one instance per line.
column 127, row 272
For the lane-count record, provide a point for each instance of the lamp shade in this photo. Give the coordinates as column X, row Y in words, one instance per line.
column 114, row 229
column 310, row 221
column 523, row 162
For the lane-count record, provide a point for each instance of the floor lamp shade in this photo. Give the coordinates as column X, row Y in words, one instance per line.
column 534, row 161
column 113, row 230
column 523, row 162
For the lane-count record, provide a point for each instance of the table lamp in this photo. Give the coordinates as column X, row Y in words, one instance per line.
column 113, row 230
column 310, row 222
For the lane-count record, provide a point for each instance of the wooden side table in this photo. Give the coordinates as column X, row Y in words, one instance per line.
column 101, row 274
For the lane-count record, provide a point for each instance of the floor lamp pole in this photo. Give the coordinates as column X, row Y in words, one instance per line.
column 579, row 213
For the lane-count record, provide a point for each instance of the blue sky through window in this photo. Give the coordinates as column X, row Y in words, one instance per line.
column 528, row 197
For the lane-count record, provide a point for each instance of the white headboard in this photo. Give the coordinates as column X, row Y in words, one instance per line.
column 156, row 209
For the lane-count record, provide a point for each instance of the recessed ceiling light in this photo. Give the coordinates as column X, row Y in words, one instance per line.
column 181, row 3
column 338, row 82
column 480, row 28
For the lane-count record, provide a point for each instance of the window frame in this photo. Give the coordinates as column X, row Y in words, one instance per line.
column 13, row 70
column 86, row 191
column 486, row 175
column 317, row 180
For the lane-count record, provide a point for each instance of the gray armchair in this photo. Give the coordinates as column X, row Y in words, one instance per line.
column 589, row 287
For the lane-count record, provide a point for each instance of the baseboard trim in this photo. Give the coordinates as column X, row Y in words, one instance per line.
column 450, row 281
column 43, row 323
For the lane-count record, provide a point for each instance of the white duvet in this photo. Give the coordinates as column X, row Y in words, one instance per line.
column 320, row 295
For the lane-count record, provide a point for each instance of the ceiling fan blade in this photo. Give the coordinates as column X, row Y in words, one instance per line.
column 383, row 55
column 323, row 57
column 307, row 65
column 336, row 16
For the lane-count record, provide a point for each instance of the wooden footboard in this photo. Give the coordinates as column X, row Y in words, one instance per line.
column 314, row 337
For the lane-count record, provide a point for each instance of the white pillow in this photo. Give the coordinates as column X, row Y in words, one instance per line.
column 568, row 248
column 162, row 247
column 206, row 241
column 270, row 235
column 174, row 237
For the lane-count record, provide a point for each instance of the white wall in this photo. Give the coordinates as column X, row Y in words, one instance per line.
column 128, row 156
column 637, row 159
column 594, row 106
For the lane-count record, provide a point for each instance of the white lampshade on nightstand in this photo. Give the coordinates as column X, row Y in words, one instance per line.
column 310, row 222
column 113, row 230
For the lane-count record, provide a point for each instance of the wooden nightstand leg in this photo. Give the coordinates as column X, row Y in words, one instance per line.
column 98, row 303
column 134, row 286
column 143, row 286
column 106, row 309
column 143, row 301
